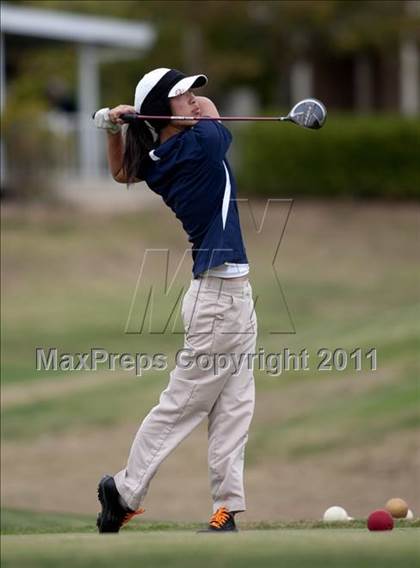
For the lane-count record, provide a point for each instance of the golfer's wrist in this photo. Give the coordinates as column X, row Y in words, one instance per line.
column 113, row 128
column 113, row 132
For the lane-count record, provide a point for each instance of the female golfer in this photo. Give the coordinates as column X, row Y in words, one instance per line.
column 185, row 163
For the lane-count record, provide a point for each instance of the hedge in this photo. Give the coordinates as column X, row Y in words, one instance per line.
column 371, row 157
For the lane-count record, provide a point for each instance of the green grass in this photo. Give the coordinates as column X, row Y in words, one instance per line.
column 104, row 406
column 271, row 548
column 381, row 411
column 15, row 521
column 50, row 539
column 22, row 522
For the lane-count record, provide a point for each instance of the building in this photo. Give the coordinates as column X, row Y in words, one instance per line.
column 97, row 40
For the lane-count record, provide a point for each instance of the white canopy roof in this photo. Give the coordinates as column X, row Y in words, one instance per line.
column 78, row 28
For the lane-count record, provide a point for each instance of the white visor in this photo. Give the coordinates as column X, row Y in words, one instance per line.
column 146, row 84
column 150, row 80
column 187, row 83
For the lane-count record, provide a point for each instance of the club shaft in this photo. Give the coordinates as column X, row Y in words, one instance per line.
column 130, row 117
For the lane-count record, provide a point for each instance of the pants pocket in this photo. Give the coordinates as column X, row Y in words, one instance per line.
column 203, row 316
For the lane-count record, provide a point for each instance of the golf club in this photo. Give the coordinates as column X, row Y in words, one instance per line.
column 308, row 113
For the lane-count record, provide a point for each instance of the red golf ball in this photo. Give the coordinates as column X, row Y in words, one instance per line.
column 380, row 520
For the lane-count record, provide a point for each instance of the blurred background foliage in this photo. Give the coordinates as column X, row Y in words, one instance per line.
column 235, row 43
column 362, row 157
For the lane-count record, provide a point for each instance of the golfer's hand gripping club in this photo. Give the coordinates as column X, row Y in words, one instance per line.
column 110, row 119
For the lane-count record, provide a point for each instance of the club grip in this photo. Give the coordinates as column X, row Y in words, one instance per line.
column 128, row 117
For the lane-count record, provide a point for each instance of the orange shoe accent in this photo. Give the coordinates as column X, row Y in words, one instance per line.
column 129, row 516
column 218, row 518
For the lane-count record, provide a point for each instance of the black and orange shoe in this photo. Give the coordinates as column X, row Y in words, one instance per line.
column 221, row 521
column 113, row 515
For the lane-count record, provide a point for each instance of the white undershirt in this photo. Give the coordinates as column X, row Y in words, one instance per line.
column 228, row 270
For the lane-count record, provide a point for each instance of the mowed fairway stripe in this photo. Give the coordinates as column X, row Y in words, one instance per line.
column 298, row 548
column 57, row 387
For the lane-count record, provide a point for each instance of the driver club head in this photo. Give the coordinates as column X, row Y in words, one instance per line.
column 309, row 113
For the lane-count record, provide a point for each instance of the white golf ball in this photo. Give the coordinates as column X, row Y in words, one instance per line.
column 409, row 516
column 333, row 514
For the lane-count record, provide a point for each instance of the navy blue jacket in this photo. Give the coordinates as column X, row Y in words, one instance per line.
column 192, row 175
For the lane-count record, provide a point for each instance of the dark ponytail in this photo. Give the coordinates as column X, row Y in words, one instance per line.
column 138, row 143
column 139, row 138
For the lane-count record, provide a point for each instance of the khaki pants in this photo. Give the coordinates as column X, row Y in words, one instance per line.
column 220, row 325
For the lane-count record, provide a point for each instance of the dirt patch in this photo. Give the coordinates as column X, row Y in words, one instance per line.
column 359, row 479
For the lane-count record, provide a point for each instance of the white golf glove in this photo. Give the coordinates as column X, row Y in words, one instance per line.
column 102, row 120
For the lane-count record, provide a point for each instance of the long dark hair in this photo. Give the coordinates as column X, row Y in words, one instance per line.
column 139, row 138
column 138, row 143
